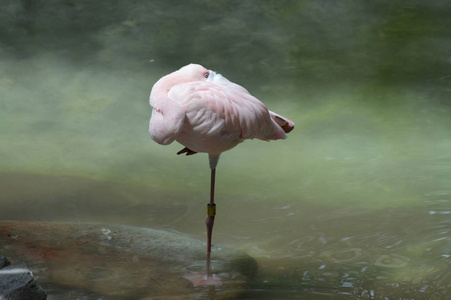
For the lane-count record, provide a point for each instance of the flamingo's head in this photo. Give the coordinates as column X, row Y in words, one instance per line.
column 188, row 73
column 194, row 72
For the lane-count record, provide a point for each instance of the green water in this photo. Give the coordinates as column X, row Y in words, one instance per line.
column 355, row 203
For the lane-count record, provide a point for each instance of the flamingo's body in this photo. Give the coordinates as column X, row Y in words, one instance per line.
column 205, row 112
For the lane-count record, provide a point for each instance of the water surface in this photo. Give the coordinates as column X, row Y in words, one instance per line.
column 355, row 203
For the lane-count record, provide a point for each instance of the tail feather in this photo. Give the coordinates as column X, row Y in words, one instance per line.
column 286, row 124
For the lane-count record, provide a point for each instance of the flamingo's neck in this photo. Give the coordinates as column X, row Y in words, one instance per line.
column 160, row 90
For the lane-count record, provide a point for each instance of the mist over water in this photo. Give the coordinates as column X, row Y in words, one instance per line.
column 355, row 203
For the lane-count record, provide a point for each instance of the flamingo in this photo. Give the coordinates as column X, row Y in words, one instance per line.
column 206, row 113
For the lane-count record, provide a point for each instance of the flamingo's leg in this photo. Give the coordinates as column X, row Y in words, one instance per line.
column 211, row 210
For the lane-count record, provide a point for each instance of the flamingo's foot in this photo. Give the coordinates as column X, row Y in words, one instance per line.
column 199, row 279
column 187, row 151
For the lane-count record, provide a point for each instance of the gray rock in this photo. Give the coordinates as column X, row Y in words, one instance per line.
column 4, row 262
column 17, row 282
column 122, row 261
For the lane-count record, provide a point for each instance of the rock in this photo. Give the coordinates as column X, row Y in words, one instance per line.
column 123, row 261
column 17, row 282
column 4, row 262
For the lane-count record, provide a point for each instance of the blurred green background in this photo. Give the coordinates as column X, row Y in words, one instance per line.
column 368, row 84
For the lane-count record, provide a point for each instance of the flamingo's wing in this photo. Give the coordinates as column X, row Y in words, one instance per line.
column 214, row 108
column 167, row 120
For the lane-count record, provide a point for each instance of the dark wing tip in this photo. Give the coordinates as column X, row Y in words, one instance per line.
column 286, row 125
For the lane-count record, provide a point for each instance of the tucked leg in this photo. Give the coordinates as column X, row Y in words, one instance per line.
column 187, row 151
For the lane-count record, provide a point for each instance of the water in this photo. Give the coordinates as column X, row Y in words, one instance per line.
column 355, row 203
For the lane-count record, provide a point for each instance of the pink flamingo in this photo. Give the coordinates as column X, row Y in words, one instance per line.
column 205, row 112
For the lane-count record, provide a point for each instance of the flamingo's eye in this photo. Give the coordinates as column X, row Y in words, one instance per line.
column 206, row 74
